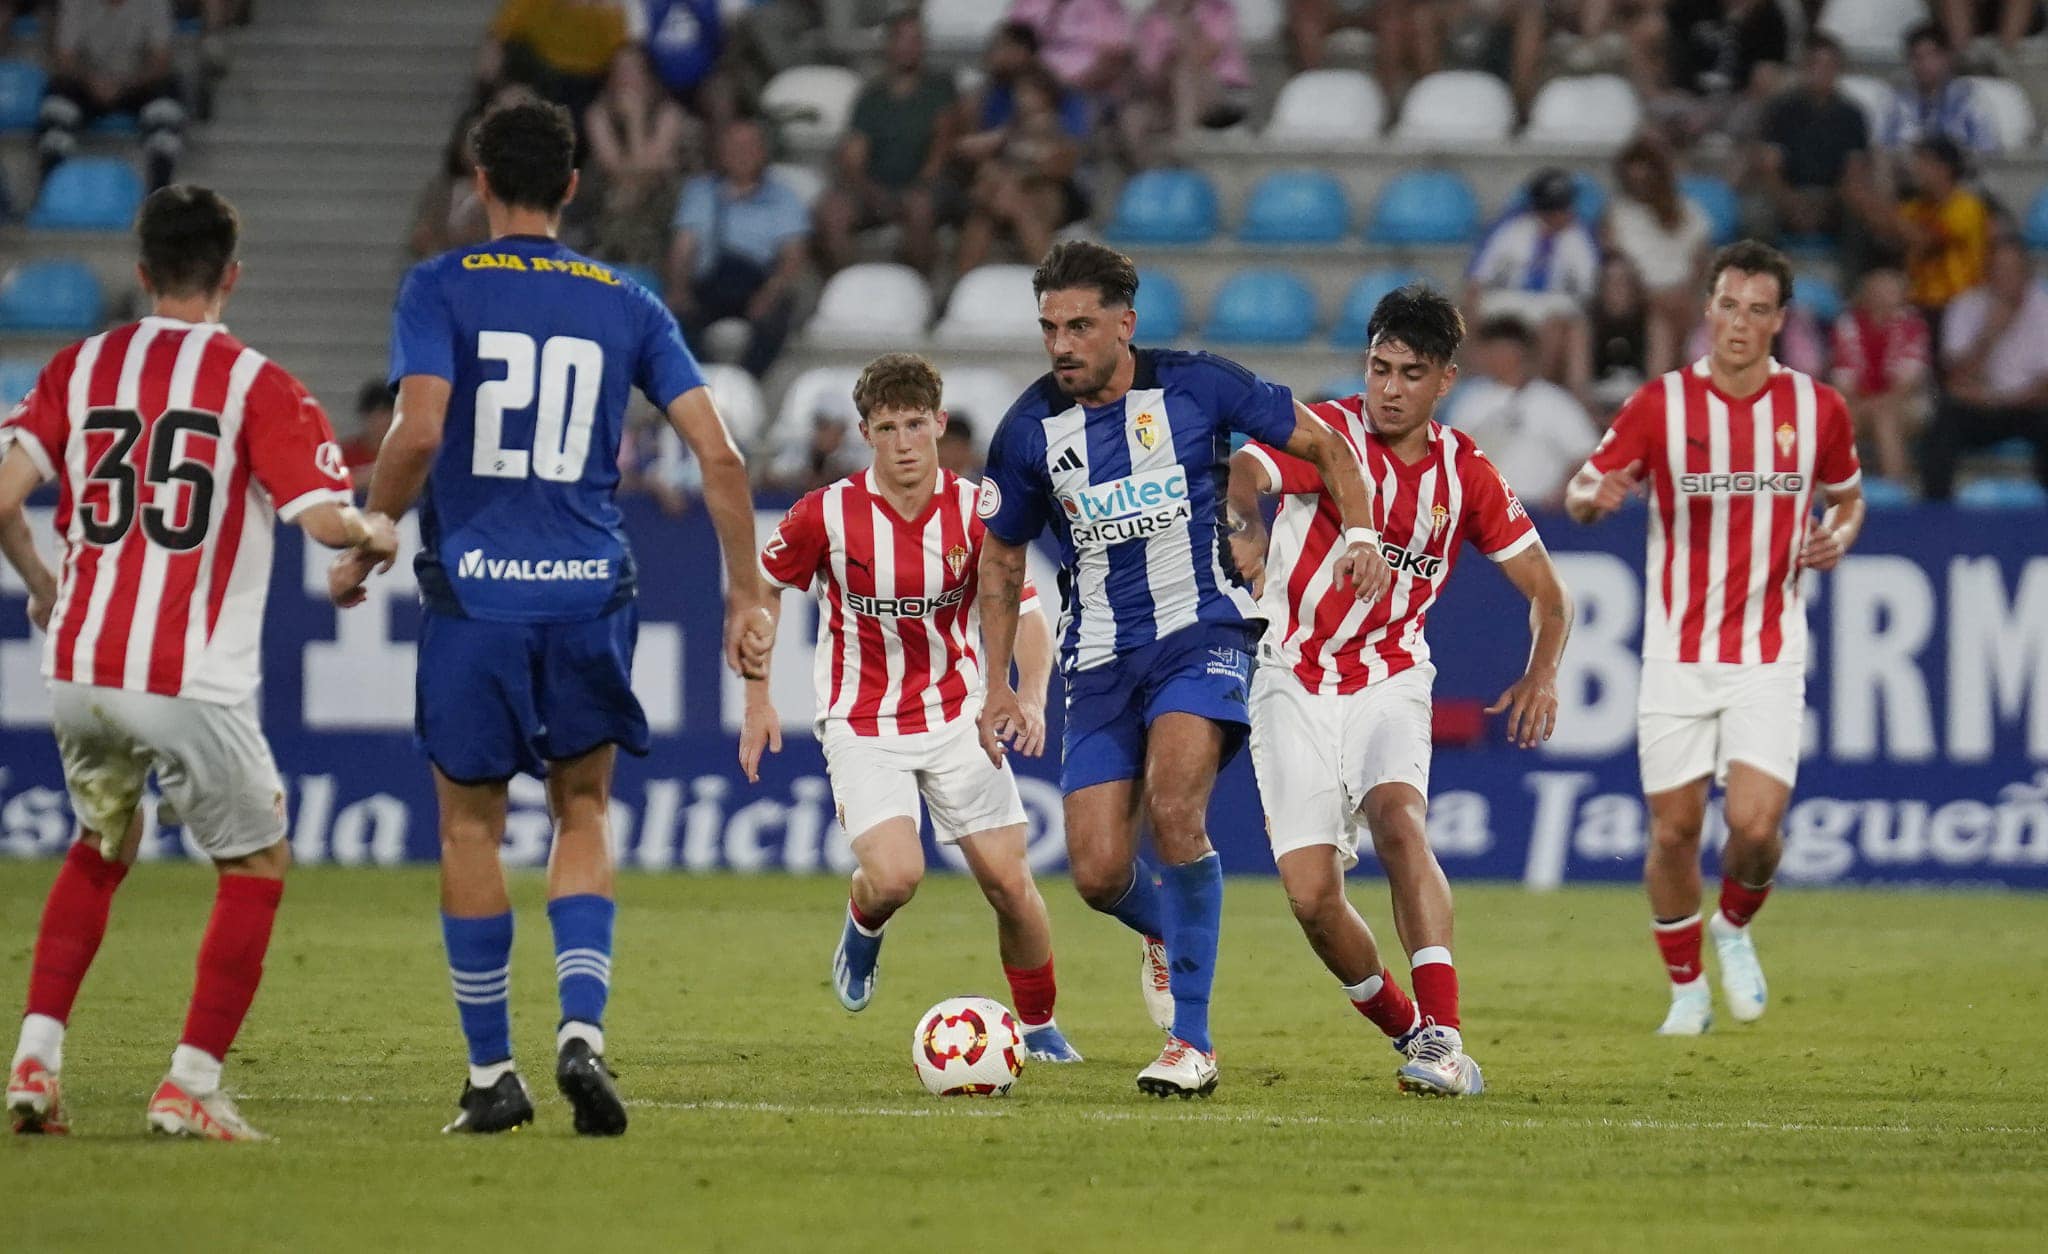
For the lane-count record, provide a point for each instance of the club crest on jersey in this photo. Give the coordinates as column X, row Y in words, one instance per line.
column 1147, row 428
column 1438, row 516
column 1786, row 436
column 956, row 559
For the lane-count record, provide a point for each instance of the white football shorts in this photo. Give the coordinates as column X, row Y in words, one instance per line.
column 1694, row 718
column 211, row 763
column 1317, row 755
column 875, row 778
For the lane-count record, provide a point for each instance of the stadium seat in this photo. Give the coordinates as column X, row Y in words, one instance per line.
column 1162, row 310
column 1872, row 29
column 1717, row 200
column 871, row 303
column 2002, row 494
column 819, row 390
column 56, row 295
column 1425, row 207
column 2012, row 116
column 1258, row 21
column 1589, row 199
column 1360, row 301
column 1820, row 296
column 1872, row 95
column 1592, row 109
column 739, row 402
column 1456, row 108
column 1295, row 207
column 17, row 376
column 1165, row 207
column 21, row 94
column 89, row 194
column 1262, row 307
column 991, row 303
column 646, row 276
column 963, row 25
column 1325, row 107
column 810, row 103
column 2036, row 226
column 1882, row 493
column 806, row 181
column 981, row 395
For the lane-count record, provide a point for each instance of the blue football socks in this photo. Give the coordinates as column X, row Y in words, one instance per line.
column 583, row 955
column 1139, row 909
column 1195, row 917
column 480, row 964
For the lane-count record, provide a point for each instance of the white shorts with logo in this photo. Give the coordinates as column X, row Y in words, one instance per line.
column 1694, row 718
column 1317, row 755
column 875, row 778
column 211, row 763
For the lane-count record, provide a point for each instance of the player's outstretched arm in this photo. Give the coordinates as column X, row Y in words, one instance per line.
column 19, row 477
column 1248, row 482
column 761, row 728
column 749, row 624
column 1034, row 673
column 1317, row 442
column 1592, row 496
column 1001, row 575
column 1531, row 701
column 1837, row 529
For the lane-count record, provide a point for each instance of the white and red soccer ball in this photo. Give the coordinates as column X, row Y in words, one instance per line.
column 968, row 1047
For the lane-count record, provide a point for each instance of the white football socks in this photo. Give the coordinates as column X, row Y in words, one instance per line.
column 42, row 1038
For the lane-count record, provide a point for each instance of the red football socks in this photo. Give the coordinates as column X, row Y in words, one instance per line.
column 231, row 961
column 1436, row 985
column 1680, row 943
column 1740, row 902
column 1390, row 1009
column 1032, row 992
column 74, row 921
column 870, row 923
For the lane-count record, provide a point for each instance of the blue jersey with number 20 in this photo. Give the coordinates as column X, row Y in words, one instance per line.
column 542, row 347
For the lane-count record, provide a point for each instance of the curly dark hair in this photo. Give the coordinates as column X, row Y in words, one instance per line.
column 527, row 152
column 1080, row 263
column 900, row 381
column 1420, row 317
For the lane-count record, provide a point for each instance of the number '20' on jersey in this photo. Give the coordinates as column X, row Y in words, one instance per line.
column 541, row 348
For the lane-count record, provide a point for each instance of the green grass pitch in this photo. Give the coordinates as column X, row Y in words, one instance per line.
column 1895, row 1097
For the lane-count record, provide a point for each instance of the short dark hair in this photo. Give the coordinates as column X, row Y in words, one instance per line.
column 1085, row 263
column 374, row 395
column 1419, row 316
column 1506, row 327
column 903, row 381
column 1944, row 150
column 1023, row 34
column 527, row 151
column 1753, row 257
column 958, row 427
column 1926, row 33
column 1821, row 41
column 188, row 236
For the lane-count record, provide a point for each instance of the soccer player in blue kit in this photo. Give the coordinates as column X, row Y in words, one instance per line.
column 514, row 361
column 1125, row 453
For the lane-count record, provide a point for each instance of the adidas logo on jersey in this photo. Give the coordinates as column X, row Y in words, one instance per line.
column 1068, row 462
column 1133, row 508
column 475, row 565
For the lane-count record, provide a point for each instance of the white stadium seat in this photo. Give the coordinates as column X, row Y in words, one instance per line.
column 806, row 181
column 1258, row 21
column 739, row 402
column 1872, row 28
column 875, row 302
column 963, row 25
column 810, row 103
column 1590, row 109
column 1872, row 95
column 983, row 395
column 826, row 390
column 1456, row 108
column 991, row 303
column 2011, row 113
column 1328, row 107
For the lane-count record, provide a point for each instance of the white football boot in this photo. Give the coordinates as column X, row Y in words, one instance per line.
column 210, row 1117
column 1155, row 981
column 1742, row 977
column 1692, row 1009
column 1182, row 1071
column 1438, row 1066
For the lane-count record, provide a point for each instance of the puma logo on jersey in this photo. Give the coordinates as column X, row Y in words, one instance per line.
column 474, row 565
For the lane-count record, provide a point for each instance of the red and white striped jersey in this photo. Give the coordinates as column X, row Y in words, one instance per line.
column 1732, row 498
column 899, row 634
column 174, row 447
column 1316, row 627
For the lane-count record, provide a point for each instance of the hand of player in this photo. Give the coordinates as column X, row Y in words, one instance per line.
column 381, row 545
column 1616, row 486
column 761, row 729
column 1823, row 547
column 1030, row 741
column 1531, row 704
column 1366, row 568
column 346, row 575
column 1002, row 718
column 749, row 639
column 40, row 604
column 1248, row 551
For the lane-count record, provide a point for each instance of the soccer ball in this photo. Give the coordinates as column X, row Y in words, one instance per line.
column 968, row 1047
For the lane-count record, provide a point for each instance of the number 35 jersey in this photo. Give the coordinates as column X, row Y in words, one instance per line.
column 174, row 447
column 541, row 348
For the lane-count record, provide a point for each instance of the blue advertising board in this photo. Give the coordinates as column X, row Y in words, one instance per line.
column 1926, row 736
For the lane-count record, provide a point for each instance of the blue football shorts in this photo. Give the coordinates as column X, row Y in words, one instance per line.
column 1205, row 670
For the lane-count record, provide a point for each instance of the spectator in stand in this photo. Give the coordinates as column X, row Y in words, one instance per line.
column 1533, row 430
column 375, row 402
column 1012, row 53
column 448, row 214
column 1994, row 350
column 740, row 244
column 1085, row 43
column 112, row 56
column 1880, row 352
column 561, row 48
column 637, row 140
column 1710, row 65
column 1025, row 190
column 1936, row 104
column 890, row 167
column 1626, row 344
column 1944, row 229
column 1814, row 155
column 1540, row 265
column 827, row 450
column 1408, row 36
column 1665, row 236
column 956, row 447
column 685, row 39
column 1192, row 72
column 2004, row 22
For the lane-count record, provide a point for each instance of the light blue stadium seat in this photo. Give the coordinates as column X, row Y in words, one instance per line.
column 2002, row 494
column 1262, row 307
column 1589, row 199
column 1717, row 200
column 1882, row 493
column 2036, row 230
column 646, row 276
column 116, row 124
column 21, row 94
column 1162, row 310
column 17, row 376
column 1818, row 293
column 89, row 194
column 1359, row 302
column 1338, row 386
column 1165, row 207
column 1425, row 207
column 58, row 295
column 2017, row 449
column 1296, row 207
column 1813, row 245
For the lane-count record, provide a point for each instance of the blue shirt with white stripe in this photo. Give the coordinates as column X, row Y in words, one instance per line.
column 1134, row 492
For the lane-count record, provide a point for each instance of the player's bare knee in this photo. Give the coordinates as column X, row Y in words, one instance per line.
column 1102, row 883
column 1011, row 894
column 269, row 863
column 1675, row 834
column 1177, row 825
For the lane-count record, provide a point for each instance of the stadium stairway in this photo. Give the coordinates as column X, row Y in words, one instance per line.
column 334, row 117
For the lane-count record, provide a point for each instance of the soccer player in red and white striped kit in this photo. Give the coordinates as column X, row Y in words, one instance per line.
column 175, row 449
column 1735, row 448
column 893, row 556
column 1341, row 727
